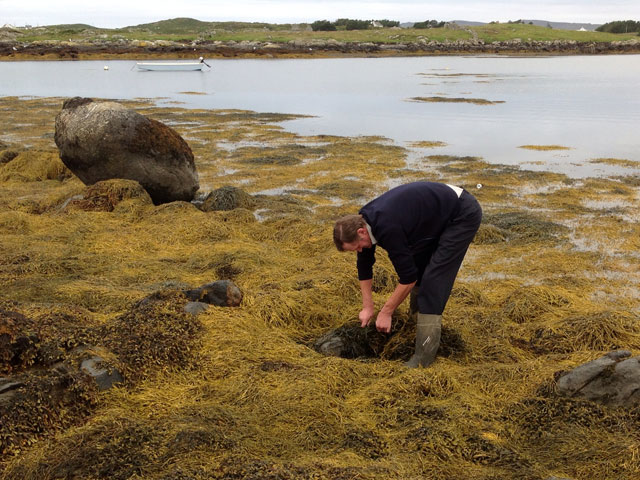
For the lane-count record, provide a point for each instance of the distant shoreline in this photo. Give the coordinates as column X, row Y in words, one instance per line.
column 303, row 49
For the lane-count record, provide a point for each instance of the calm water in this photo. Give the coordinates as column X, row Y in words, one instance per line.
column 590, row 104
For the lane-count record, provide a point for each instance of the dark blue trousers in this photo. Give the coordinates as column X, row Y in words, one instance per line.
column 439, row 263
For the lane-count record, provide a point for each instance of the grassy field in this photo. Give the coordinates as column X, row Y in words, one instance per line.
column 192, row 30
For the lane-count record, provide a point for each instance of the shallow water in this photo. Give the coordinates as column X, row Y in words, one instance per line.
column 587, row 103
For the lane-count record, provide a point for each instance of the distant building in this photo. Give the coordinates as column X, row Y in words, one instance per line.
column 376, row 24
column 582, row 29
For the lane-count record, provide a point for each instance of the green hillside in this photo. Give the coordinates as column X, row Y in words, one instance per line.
column 172, row 26
column 189, row 29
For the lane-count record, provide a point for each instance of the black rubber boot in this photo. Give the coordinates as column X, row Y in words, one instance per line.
column 428, row 330
column 413, row 301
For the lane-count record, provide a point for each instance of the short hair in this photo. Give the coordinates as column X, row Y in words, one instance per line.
column 346, row 230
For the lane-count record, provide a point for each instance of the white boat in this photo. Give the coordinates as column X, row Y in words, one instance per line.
column 172, row 66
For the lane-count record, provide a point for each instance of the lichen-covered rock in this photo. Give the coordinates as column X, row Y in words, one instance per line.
column 612, row 380
column 104, row 140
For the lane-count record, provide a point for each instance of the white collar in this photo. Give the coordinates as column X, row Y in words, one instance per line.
column 373, row 239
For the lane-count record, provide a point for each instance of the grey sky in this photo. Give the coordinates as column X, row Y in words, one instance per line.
column 120, row 13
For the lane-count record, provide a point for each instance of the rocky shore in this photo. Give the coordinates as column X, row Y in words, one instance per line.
column 121, row 48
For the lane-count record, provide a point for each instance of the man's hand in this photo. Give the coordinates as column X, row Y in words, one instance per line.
column 383, row 322
column 365, row 315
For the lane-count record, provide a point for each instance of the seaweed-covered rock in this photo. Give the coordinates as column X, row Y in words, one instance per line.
column 154, row 333
column 227, row 198
column 518, row 227
column 53, row 364
column 612, row 380
column 223, row 293
column 17, row 348
column 42, row 401
column 35, row 166
column 103, row 140
column 41, row 341
column 105, row 195
column 7, row 155
column 352, row 341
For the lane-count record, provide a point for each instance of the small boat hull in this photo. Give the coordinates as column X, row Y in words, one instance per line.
column 169, row 66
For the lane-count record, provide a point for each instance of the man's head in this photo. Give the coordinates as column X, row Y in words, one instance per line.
column 350, row 234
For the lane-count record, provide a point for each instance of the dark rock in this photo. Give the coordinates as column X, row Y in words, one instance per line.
column 104, row 140
column 7, row 385
column 331, row 344
column 612, row 380
column 194, row 308
column 352, row 341
column 223, row 293
column 104, row 375
column 227, row 198
column 75, row 102
column 7, row 155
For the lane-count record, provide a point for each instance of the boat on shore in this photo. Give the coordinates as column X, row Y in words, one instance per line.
column 172, row 66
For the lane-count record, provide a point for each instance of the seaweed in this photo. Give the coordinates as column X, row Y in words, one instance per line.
column 549, row 283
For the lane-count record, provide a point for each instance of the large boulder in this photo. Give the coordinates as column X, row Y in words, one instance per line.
column 612, row 380
column 104, row 140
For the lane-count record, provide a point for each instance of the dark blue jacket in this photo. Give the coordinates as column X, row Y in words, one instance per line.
column 405, row 221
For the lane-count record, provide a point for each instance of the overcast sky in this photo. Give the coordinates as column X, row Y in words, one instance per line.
column 121, row 13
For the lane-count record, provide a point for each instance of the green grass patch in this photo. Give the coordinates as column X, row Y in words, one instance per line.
column 503, row 32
